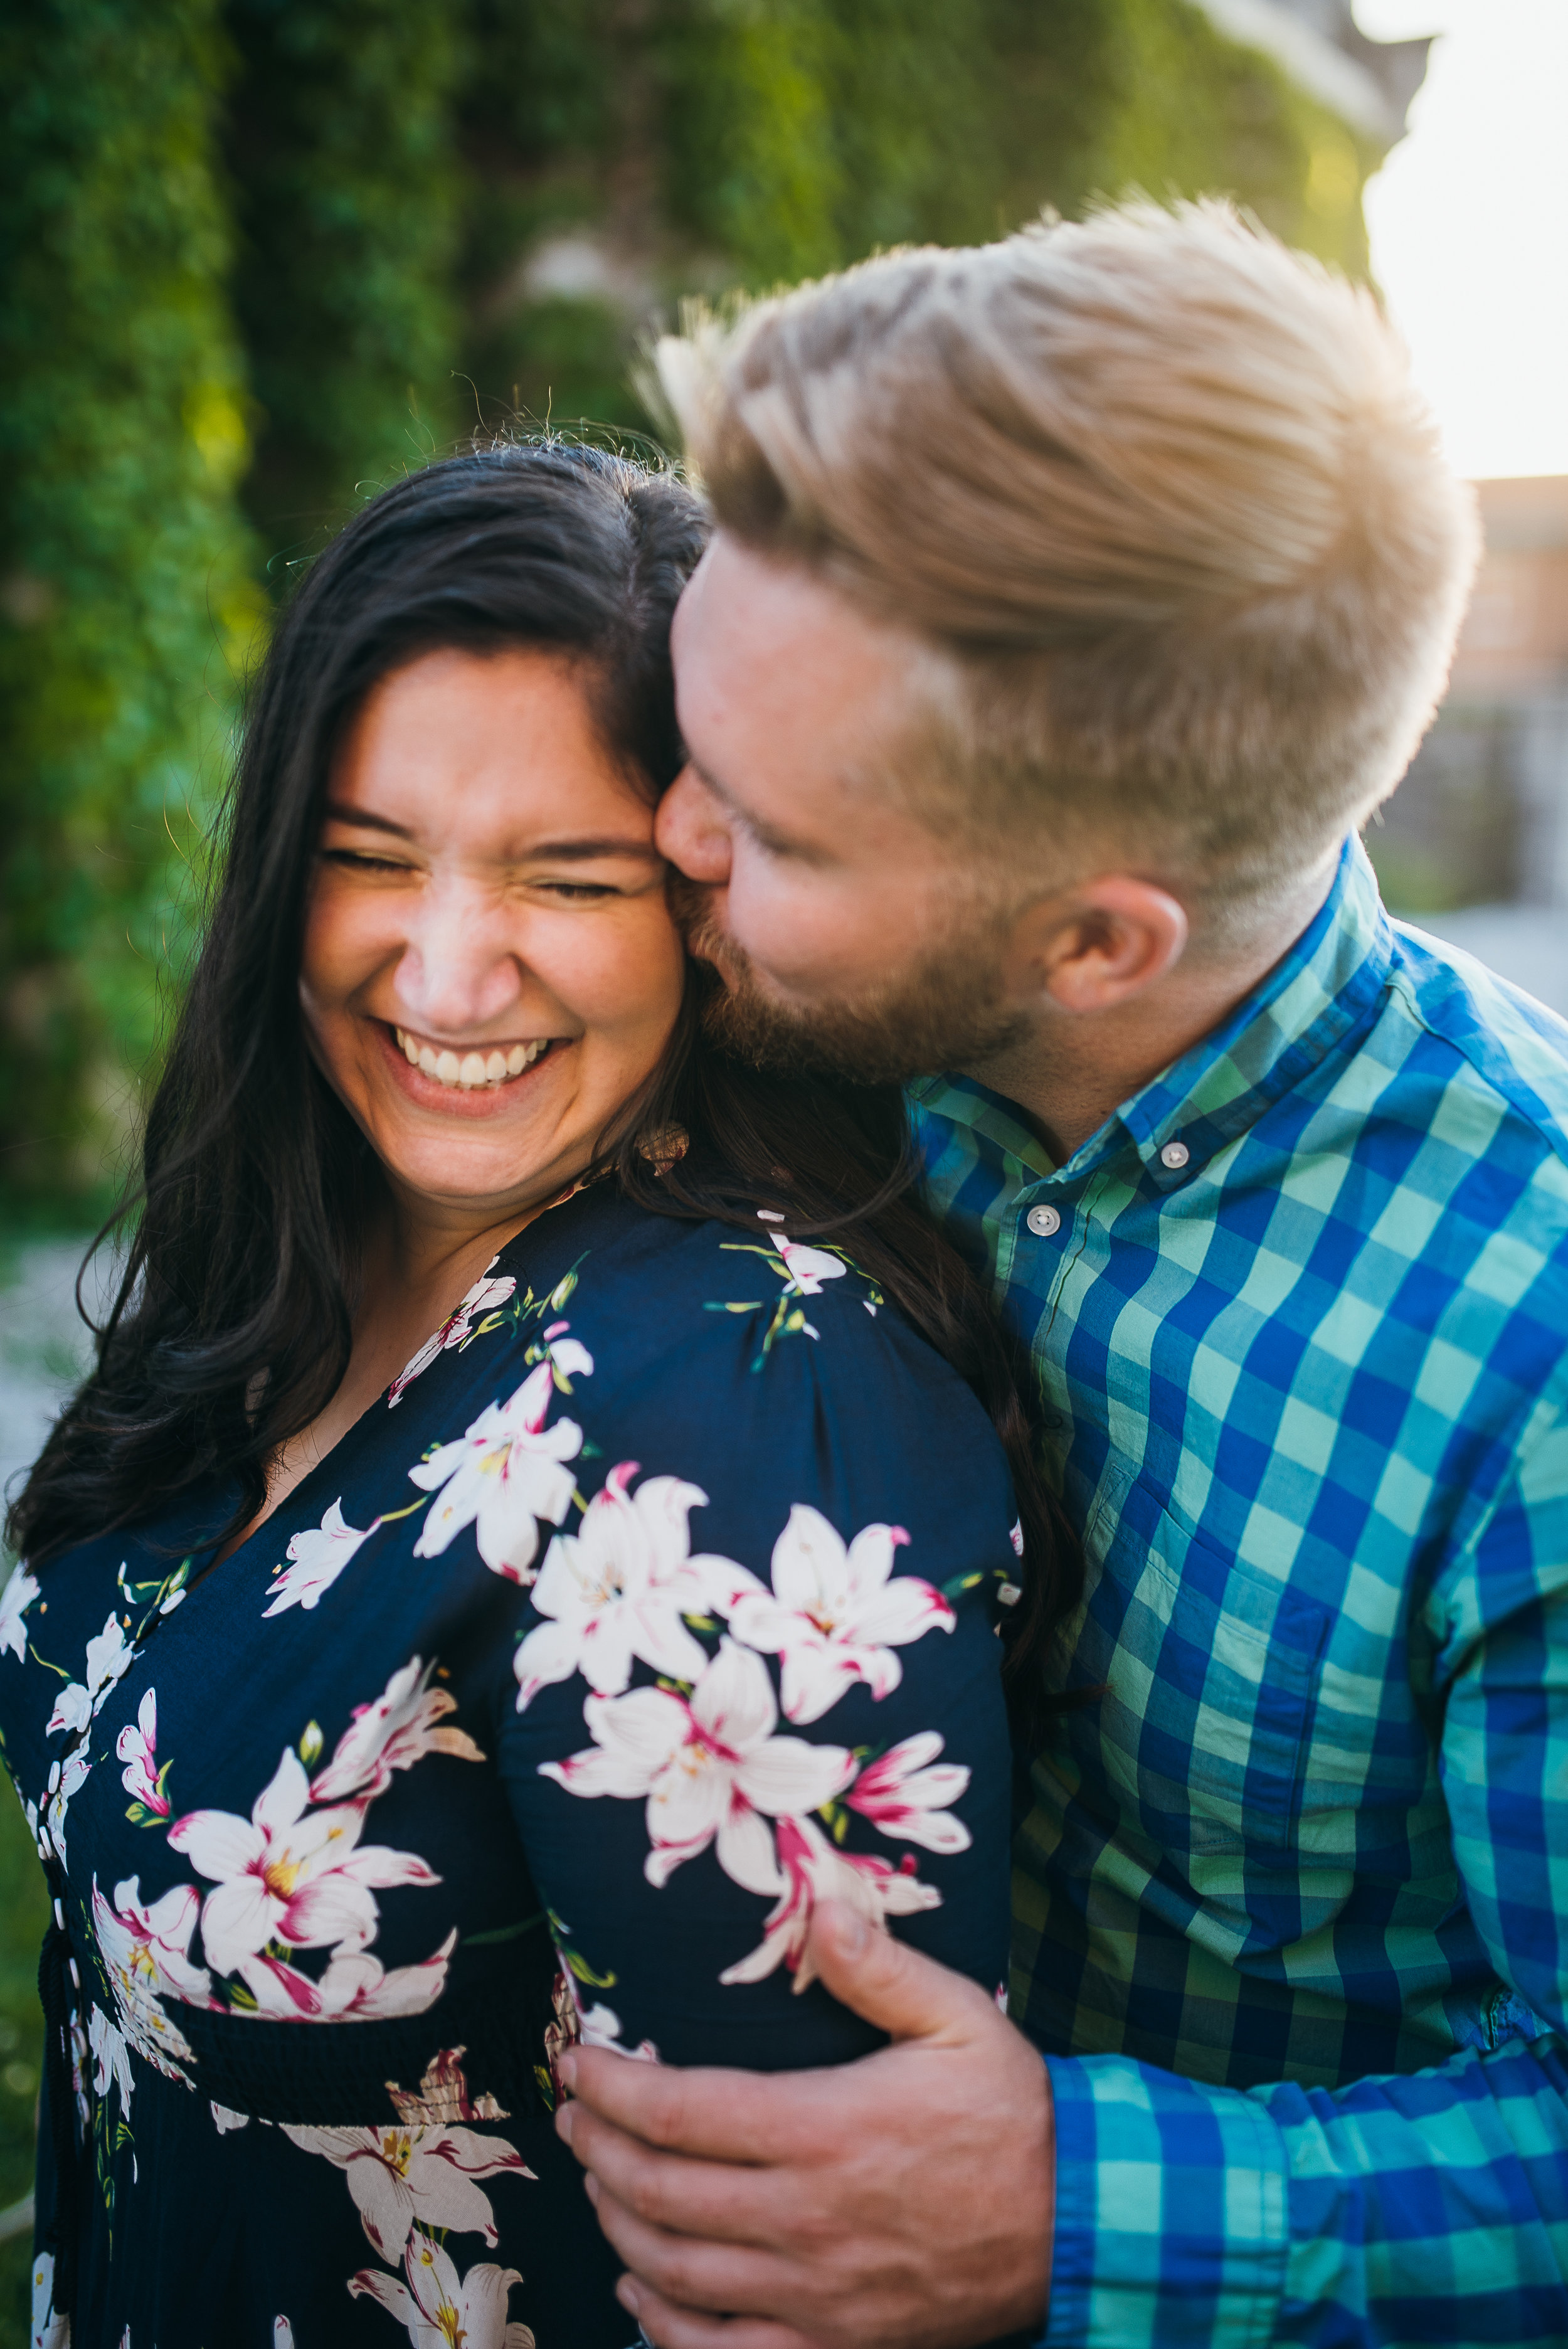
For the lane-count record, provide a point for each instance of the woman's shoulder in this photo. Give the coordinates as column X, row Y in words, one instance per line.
column 734, row 1357
column 736, row 1301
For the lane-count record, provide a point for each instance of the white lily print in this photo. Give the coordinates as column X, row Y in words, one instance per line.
column 66, row 1779
column 404, row 1723
column 507, row 1471
column 316, row 1561
column 290, row 1873
column 905, row 1797
column 108, row 1656
column 137, row 1747
column 14, row 1601
column 814, row 1870
column 806, row 1268
column 482, row 1298
column 440, row 2308
column 355, row 1987
column 111, row 2058
column 709, row 1765
column 47, row 2331
column 146, row 1951
column 836, row 1614
column 620, row 1588
column 401, row 2177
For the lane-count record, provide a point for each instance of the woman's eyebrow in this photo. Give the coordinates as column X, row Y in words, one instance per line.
column 579, row 851
column 562, row 851
column 362, row 819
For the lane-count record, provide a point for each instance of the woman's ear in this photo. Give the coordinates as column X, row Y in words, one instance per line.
column 1095, row 945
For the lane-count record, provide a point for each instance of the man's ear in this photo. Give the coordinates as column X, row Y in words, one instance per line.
column 1097, row 945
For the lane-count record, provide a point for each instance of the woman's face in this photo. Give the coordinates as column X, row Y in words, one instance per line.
column 489, row 966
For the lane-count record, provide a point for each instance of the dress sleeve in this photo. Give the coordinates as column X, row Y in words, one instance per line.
column 761, row 1669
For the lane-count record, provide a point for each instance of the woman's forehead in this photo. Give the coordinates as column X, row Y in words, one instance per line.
column 491, row 754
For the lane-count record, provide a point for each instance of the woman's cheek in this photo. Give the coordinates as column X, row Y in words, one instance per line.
column 630, row 982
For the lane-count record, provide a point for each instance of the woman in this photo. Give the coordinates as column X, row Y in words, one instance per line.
column 507, row 1563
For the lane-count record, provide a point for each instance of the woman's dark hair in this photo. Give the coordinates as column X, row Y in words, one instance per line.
column 232, row 1324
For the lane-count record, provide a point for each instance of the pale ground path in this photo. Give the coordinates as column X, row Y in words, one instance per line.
column 43, row 1347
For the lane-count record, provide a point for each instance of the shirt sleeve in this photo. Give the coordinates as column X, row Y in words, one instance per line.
column 1427, row 2208
column 758, row 1669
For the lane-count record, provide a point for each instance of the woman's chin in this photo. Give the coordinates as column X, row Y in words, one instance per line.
column 477, row 1170
column 492, row 1146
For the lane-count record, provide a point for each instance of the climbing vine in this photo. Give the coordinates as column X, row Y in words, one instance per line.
column 127, row 597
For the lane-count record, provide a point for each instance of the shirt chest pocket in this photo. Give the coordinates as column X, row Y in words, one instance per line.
column 1212, row 1672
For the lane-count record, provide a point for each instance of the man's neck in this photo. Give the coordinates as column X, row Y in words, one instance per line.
column 1075, row 1069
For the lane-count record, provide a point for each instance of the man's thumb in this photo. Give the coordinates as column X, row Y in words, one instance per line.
column 905, row 1994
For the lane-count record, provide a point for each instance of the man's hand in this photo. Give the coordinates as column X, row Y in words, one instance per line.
column 904, row 2202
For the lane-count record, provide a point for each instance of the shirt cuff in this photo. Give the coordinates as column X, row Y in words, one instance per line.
column 1173, row 2220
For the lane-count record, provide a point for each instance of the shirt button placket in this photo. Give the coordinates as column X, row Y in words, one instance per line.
column 1044, row 1222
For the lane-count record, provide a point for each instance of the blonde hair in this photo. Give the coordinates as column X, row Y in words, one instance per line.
column 1162, row 490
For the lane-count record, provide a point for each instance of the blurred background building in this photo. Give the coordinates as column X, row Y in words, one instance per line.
column 1474, row 844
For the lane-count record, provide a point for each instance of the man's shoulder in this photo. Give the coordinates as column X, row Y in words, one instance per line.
column 1503, row 1051
column 1458, row 1091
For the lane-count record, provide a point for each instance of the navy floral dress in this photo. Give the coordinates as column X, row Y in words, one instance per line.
column 654, row 1599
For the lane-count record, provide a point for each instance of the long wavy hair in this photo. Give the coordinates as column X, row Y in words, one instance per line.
column 232, row 1325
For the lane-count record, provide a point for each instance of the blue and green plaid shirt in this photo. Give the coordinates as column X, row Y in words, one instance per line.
column 1292, row 1900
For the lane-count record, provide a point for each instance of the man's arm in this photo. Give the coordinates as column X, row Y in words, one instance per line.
column 901, row 2202
column 906, row 2201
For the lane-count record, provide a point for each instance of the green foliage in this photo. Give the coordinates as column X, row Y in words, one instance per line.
column 339, row 146
column 125, row 602
column 691, row 144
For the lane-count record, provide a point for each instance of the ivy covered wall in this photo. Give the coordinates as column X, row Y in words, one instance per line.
column 258, row 255
column 128, row 592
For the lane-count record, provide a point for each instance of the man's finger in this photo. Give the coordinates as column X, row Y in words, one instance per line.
column 672, row 2191
column 719, row 2115
column 886, row 1982
column 686, row 2328
column 722, row 2278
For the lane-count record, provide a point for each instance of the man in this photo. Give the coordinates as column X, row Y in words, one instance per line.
column 1073, row 605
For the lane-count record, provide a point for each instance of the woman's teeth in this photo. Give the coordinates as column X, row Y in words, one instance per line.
column 470, row 1068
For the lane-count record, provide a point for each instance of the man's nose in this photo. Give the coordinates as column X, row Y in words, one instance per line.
column 692, row 830
column 461, row 968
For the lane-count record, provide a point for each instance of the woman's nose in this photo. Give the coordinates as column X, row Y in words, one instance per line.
column 461, row 968
column 692, row 830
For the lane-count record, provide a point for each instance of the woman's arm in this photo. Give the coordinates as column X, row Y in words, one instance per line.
column 760, row 1670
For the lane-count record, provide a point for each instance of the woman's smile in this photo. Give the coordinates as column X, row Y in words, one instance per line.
column 471, row 1065
column 462, row 1079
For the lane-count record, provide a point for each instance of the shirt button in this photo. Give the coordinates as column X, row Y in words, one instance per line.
column 1174, row 1154
column 1043, row 1222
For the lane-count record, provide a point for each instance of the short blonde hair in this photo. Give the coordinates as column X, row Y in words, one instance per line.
column 1162, row 490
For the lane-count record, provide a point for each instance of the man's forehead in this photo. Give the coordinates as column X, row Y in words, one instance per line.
column 742, row 607
column 776, row 670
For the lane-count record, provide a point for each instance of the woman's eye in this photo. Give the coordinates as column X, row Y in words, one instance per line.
column 359, row 860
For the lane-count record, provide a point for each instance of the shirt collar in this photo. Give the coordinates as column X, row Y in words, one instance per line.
column 1322, row 991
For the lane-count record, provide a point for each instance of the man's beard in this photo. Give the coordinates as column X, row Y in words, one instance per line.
column 945, row 1011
